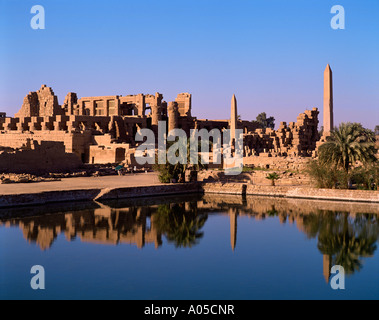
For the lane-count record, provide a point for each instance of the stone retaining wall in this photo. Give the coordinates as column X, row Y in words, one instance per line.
column 97, row 194
column 24, row 199
column 158, row 190
column 224, row 188
column 12, row 200
column 314, row 193
column 293, row 192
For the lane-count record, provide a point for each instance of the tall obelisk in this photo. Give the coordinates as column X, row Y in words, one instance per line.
column 233, row 119
column 328, row 101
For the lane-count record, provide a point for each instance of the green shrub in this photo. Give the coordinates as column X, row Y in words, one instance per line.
column 251, row 169
column 167, row 172
column 366, row 178
column 333, row 177
column 327, row 176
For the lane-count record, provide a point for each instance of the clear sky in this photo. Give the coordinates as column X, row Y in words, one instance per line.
column 270, row 53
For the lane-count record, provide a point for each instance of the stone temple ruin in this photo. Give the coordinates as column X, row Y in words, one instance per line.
column 102, row 129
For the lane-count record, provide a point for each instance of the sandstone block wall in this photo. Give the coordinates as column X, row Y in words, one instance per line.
column 41, row 103
column 45, row 157
column 302, row 192
column 296, row 139
column 113, row 153
column 78, row 123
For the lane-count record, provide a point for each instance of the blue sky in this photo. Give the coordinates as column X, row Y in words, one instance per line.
column 270, row 53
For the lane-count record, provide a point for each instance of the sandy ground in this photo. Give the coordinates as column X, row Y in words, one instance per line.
column 130, row 180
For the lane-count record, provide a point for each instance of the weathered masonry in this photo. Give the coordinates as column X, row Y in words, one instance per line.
column 102, row 129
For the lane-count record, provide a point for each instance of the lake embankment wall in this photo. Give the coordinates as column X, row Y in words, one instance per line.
column 111, row 193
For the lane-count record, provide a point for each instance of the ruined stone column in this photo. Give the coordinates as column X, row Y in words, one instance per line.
column 328, row 101
column 72, row 124
column 156, row 109
column 8, row 124
column 47, row 123
column 141, row 104
column 34, row 123
column 155, row 115
column 93, row 111
column 22, row 124
column 173, row 116
column 69, row 102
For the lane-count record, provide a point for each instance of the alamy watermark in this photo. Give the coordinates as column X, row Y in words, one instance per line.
column 227, row 147
column 338, row 21
column 38, row 20
column 38, row 280
column 337, row 282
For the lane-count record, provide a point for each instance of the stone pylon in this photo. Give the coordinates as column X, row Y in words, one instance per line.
column 233, row 119
column 328, row 101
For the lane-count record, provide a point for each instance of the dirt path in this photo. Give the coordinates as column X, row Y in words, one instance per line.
column 130, row 180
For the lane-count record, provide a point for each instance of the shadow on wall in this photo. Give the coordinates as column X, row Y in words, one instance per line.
column 38, row 158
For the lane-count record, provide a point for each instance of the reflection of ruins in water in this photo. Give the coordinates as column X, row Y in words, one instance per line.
column 346, row 232
column 102, row 225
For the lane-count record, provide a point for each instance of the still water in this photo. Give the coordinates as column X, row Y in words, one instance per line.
column 191, row 247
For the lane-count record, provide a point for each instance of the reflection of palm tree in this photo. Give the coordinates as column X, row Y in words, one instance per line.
column 351, row 247
column 351, row 250
column 346, row 241
column 273, row 212
column 180, row 226
column 185, row 232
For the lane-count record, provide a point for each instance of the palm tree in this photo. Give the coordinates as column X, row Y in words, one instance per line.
column 348, row 143
column 273, row 176
column 168, row 171
column 265, row 122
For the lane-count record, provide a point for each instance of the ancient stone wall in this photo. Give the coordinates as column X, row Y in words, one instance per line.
column 78, row 121
column 46, row 156
column 43, row 103
column 296, row 139
column 70, row 104
column 301, row 192
column 267, row 161
column 184, row 101
column 108, row 153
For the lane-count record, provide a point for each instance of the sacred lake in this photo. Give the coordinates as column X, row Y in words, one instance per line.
column 191, row 247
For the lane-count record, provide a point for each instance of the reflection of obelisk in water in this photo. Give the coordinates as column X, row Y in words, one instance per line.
column 233, row 227
column 233, row 120
column 328, row 101
column 326, row 267
column 141, row 218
